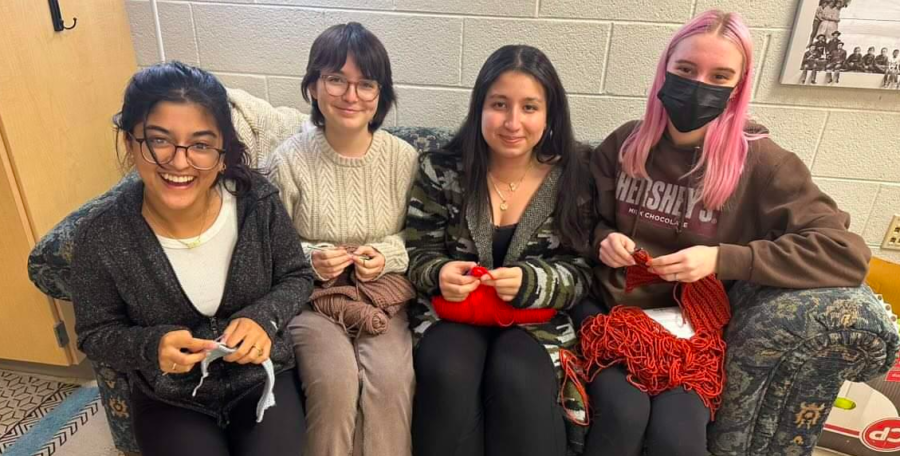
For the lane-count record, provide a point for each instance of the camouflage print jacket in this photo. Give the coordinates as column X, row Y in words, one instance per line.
column 554, row 276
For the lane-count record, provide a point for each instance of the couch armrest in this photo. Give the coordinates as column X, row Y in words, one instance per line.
column 789, row 351
column 115, row 394
column 50, row 261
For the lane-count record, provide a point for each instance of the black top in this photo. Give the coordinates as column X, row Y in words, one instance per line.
column 502, row 237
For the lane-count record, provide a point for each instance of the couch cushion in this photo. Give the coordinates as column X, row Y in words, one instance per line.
column 422, row 138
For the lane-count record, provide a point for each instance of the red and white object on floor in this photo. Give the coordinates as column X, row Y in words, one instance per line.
column 865, row 420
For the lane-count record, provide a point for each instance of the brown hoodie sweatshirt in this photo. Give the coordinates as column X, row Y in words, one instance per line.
column 777, row 228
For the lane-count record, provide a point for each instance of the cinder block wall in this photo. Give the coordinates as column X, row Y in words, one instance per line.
column 605, row 51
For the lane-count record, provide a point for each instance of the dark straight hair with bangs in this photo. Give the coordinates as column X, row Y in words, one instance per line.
column 558, row 145
column 329, row 53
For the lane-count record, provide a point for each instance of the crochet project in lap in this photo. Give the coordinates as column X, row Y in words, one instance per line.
column 656, row 360
column 483, row 307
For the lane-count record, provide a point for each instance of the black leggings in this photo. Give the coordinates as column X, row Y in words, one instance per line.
column 163, row 429
column 485, row 391
column 626, row 421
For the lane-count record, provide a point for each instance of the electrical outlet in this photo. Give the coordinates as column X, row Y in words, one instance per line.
column 892, row 238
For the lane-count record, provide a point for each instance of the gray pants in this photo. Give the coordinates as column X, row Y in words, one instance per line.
column 358, row 391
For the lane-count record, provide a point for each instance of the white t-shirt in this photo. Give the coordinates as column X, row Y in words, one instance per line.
column 202, row 270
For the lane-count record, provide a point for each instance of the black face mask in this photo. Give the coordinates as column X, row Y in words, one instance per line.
column 692, row 104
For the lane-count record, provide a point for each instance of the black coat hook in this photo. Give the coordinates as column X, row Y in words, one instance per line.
column 56, row 15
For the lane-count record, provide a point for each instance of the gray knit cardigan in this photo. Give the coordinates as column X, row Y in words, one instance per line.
column 127, row 296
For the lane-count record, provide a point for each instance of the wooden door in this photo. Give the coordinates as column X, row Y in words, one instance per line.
column 58, row 93
column 27, row 317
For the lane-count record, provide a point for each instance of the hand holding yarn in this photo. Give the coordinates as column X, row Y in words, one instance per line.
column 616, row 249
column 369, row 263
column 252, row 342
column 454, row 281
column 179, row 351
column 330, row 263
column 483, row 306
column 687, row 265
column 629, row 336
column 507, row 282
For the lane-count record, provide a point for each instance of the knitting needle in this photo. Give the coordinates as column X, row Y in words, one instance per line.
column 322, row 249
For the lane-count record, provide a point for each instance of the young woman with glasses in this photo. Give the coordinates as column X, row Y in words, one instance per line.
column 199, row 250
column 345, row 185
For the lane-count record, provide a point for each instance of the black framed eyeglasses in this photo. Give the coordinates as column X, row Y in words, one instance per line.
column 161, row 151
column 337, row 85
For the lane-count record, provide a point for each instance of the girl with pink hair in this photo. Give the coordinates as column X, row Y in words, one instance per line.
column 703, row 192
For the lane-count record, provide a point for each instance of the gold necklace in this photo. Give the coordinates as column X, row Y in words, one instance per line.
column 513, row 186
column 503, row 205
column 192, row 244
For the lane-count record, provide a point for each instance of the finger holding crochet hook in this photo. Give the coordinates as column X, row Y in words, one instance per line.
column 369, row 263
column 330, row 262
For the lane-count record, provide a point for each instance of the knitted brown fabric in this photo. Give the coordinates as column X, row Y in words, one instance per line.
column 362, row 306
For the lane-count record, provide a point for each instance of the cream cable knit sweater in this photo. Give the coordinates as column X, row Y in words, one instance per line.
column 261, row 127
column 335, row 200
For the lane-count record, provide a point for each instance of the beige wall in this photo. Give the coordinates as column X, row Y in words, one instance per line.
column 605, row 51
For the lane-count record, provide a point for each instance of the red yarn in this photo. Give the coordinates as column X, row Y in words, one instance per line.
column 573, row 373
column 704, row 302
column 639, row 274
column 484, row 308
column 656, row 360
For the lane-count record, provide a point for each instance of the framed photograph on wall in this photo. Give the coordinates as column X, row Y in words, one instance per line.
column 845, row 43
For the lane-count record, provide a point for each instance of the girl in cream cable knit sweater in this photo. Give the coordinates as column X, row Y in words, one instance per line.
column 347, row 183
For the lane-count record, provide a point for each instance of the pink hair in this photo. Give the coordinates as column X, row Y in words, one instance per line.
column 725, row 145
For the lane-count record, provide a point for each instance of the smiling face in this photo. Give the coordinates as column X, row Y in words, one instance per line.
column 176, row 186
column 346, row 112
column 514, row 115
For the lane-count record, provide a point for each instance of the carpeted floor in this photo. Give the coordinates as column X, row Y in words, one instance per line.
column 44, row 416
column 93, row 439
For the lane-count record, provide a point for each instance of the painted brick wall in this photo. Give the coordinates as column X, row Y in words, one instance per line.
column 605, row 51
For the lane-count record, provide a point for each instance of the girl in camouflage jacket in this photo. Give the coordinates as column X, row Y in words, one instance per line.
column 507, row 194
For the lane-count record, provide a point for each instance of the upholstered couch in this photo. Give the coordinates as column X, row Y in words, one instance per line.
column 788, row 351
